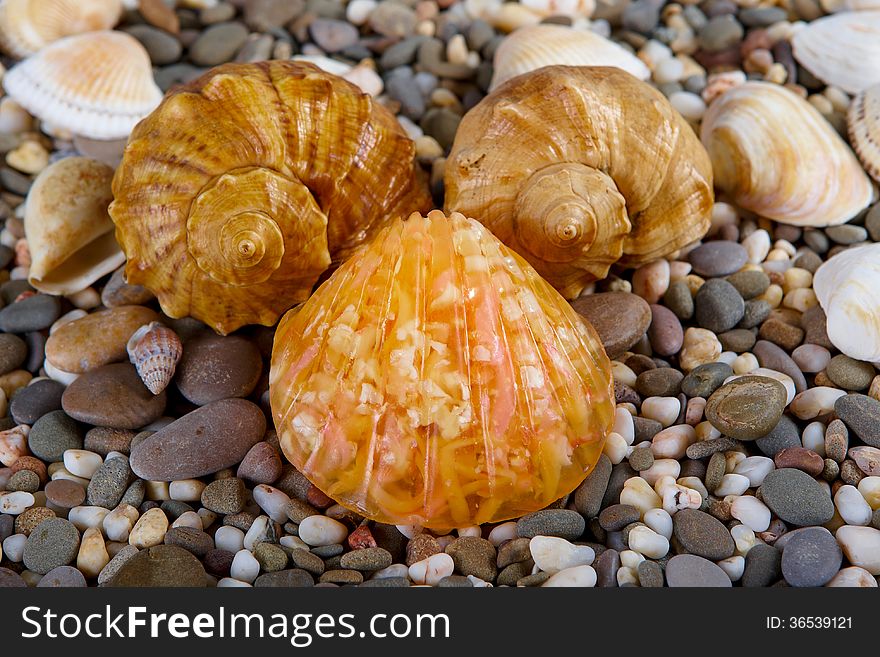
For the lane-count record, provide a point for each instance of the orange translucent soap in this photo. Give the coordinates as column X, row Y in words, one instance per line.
column 436, row 379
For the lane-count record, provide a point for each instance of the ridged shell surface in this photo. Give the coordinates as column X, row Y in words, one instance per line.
column 532, row 47
column 154, row 350
column 848, row 289
column 436, row 379
column 842, row 49
column 863, row 124
column 27, row 26
column 98, row 85
column 243, row 187
column 775, row 155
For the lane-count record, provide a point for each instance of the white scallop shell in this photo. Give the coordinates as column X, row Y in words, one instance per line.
column 841, row 49
column 775, row 155
column 848, row 289
column 533, row 47
column 26, row 26
column 97, row 85
column 863, row 123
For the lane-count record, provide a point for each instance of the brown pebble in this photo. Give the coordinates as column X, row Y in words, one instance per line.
column 421, row 546
column 719, row 509
column 831, row 470
column 261, row 465
column 800, row 458
column 836, row 440
column 103, row 440
column 813, row 322
column 665, row 332
column 65, row 493
column 318, row 499
column 361, row 538
column 620, row 318
column 641, row 459
column 33, row 464
column 779, row 333
column 24, row 480
column 850, row 473
column 715, row 471
column 27, row 521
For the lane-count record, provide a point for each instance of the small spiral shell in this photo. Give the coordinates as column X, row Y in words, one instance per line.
column 155, row 350
column 245, row 185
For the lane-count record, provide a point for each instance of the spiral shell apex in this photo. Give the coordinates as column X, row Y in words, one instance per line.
column 245, row 185
column 154, row 350
column 556, row 163
column 436, row 379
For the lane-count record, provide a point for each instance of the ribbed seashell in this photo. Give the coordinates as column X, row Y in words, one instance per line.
column 848, row 289
column 154, row 350
column 584, row 8
column 435, row 379
column 556, row 163
column 842, row 49
column 863, row 124
column 834, row 6
column 69, row 233
column 775, row 155
column 26, row 26
column 532, row 47
column 246, row 184
column 98, row 85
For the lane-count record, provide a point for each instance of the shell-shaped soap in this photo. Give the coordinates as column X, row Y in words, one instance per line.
column 436, row 379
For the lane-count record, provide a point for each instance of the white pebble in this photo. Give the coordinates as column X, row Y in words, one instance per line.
column 82, row 463
column 851, row 506
column 672, row 443
column 669, row 70
column 853, row 577
column 13, row 547
column 755, row 468
column 757, row 245
column 861, row 545
column 394, row 570
column 815, row 402
column 503, row 532
column 631, row 559
column 869, row 487
column 732, row 484
column 577, row 576
column 664, row 410
column 321, row 530
column 208, row 517
column 751, row 512
column 638, row 493
column 257, row 532
column 744, row 539
column 552, row 554
column 813, row 438
column 660, row 521
column 245, row 566
column 85, row 299
column 230, row 583
column 149, row 530
column 63, row 473
column 478, row 583
column 622, row 374
column 432, row 569
column 409, row 530
column 694, row 483
column 623, row 424
column 647, row 542
column 661, row 468
column 273, row 501
column 293, row 542
column 358, row 11
column 676, row 498
column 727, row 357
column 734, row 567
column 688, row 104
column 118, row 523
column 472, row 530
column 16, row 502
column 627, row 576
column 189, row 519
column 84, row 517
column 745, row 363
column 615, row 448
column 186, row 490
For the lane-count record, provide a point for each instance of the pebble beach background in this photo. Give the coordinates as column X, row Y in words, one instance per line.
column 712, row 476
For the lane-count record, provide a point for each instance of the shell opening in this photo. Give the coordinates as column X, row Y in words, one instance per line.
column 81, row 268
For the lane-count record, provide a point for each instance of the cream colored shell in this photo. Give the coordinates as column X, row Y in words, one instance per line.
column 842, row 49
column 775, row 155
column 98, row 85
column 532, row 47
column 863, row 123
column 69, row 232
column 26, row 26
column 848, row 289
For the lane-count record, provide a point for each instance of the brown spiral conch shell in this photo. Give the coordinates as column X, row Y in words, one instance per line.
column 154, row 350
column 558, row 165
column 246, row 184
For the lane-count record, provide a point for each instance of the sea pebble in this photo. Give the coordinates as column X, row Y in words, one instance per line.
column 149, row 530
column 432, row 569
column 811, row 557
column 552, row 554
column 576, row 576
column 321, row 530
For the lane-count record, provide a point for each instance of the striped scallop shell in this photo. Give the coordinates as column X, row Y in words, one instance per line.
column 863, row 122
column 536, row 46
column 98, row 85
column 842, row 49
column 155, row 350
column 27, row 26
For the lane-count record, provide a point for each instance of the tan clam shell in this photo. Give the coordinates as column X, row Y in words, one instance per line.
column 69, row 231
column 536, row 46
column 842, row 49
column 27, row 26
column 98, row 85
column 155, row 350
column 863, row 123
column 848, row 290
column 777, row 156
